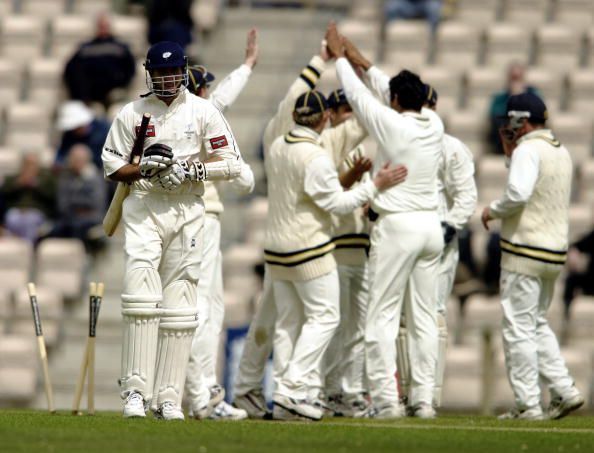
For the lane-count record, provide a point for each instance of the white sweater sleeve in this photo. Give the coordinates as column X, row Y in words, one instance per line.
column 460, row 185
column 523, row 173
column 322, row 185
column 228, row 89
column 379, row 84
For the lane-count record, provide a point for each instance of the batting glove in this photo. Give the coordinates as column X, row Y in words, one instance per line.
column 155, row 158
column 175, row 175
column 449, row 232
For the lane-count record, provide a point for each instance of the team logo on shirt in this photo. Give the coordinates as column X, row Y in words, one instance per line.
column 150, row 130
column 189, row 132
column 218, row 142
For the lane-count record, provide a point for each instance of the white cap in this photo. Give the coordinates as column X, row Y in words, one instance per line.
column 73, row 114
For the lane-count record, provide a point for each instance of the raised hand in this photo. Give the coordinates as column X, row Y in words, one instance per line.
column 334, row 41
column 252, row 51
column 354, row 56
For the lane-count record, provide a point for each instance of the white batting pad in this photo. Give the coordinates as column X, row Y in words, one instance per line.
column 441, row 358
column 402, row 358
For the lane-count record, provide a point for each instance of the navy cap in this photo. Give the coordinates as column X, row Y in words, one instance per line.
column 310, row 103
column 198, row 77
column 431, row 95
column 337, row 98
column 165, row 54
column 527, row 105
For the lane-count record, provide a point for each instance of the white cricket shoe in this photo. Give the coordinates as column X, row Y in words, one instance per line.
column 254, row 403
column 286, row 408
column 200, row 412
column 534, row 413
column 424, row 411
column 356, row 407
column 326, row 408
column 169, row 411
column 134, row 406
column 224, row 411
column 389, row 412
column 562, row 405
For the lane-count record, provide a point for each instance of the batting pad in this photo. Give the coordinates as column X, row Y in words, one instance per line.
column 141, row 311
column 441, row 358
column 179, row 320
column 402, row 358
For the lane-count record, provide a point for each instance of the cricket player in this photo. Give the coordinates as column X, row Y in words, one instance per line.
column 406, row 240
column 534, row 213
column 205, row 394
column 457, row 202
column 187, row 142
column 303, row 190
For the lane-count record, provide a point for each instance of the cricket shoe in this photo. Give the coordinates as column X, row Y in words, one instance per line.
column 561, row 406
column 424, row 411
column 286, row 408
column 354, row 408
column 254, row 403
column 200, row 412
column 224, row 411
column 325, row 406
column 169, row 411
column 134, row 406
column 389, row 412
column 534, row 413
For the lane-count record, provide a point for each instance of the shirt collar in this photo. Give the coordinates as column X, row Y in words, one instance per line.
column 538, row 133
column 302, row 131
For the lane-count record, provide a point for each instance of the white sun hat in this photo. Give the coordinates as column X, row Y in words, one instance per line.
column 73, row 114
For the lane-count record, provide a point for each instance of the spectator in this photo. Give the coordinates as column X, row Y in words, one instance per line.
column 580, row 263
column 99, row 67
column 29, row 199
column 170, row 21
column 414, row 9
column 78, row 125
column 81, row 198
column 515, row 84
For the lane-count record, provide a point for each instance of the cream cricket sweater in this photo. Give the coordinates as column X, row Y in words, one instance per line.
column 534, row 238
column 297, row 244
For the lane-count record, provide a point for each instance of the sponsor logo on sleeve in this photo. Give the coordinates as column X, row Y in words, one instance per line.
column 218, row 142
column 150, row 130
column 113, row 151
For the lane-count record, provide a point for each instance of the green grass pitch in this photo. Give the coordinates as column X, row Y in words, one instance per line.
column 107, row 432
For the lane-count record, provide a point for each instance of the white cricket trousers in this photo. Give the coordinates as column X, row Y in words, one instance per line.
column 403, row 264
column 258, row 343
column 447, row 274
column 530, row 346
column 345, row 358
column 205, row 346
column 307, row 316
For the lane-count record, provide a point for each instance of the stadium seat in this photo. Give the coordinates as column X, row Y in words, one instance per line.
column 481, row 85
column 558, row 47
column 586, row 193
column 365, row 34
column 22, row 38
column 462, row 384
column 581, row 92
column 506, row 43
column 51, row 310
column 68, row 32
column 527, row 13
column 60, row 265
column 43, row 8
column 579, row 14
column 10, row 162
column 15, row 264
column 479, row 12
column 17, row 350
column 6, row 7
column 91, row 7
column 240, row 259
column 458, row 45
column 582, row 317
column 12, row 79
column 27, row 126
column 448, row 85
column 470, row 126
column 407, row 43
column 482, row 312
column 491, row 177
column 18, row 368
column 590, row 47
column 581, row 220
column 133, row 31
column 45, row 81
column 575, row 132
column 205, row 14
column 256, row 221
column 367, row 10
column 549, row 83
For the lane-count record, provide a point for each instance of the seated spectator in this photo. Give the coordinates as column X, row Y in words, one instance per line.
column 99, row 67
column 170, row 21
column 580, row 264
column 78, row 125
column 81, row 198
column 515, row 84
column 29, row 199
column 414, row 9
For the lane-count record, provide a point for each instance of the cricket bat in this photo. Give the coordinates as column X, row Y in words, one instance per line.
column 114, row 213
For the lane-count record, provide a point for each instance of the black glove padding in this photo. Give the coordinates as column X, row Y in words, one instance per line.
column 449, row 232
column 155, row 158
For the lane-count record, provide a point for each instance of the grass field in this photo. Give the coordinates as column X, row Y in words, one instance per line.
column 107, row 432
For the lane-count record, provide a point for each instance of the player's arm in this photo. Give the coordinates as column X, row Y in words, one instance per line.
column 282, row 121
column 117, row 148
column 523, row 173
column 358, row 166
column 460, row 184
column 228, row 89
column 343, row 138
column 322, row 185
